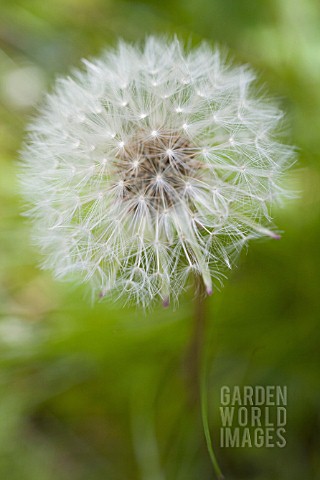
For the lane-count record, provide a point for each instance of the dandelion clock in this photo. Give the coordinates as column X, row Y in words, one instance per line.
column 151, row 166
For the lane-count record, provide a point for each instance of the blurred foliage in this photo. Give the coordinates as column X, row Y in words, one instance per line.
column 94, row 392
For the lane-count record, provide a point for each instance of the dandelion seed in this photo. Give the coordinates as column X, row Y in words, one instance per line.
column 139, row 206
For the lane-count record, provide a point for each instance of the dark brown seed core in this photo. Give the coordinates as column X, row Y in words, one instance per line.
column 156, row 166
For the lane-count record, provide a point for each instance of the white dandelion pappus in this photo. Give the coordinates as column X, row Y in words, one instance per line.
column 152, row 165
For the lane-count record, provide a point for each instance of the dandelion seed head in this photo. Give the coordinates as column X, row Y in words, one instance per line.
column 152, row 165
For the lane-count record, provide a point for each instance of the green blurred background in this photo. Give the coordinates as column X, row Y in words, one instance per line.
column 95, row 392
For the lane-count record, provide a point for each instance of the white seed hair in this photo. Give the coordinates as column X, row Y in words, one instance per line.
column 152, row 165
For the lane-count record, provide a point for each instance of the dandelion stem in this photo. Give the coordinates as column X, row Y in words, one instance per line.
column 205, row 424
column 194, row 358
column 198, row 368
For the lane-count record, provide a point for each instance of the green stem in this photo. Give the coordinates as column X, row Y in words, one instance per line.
column 201, row 367
column 196, row 364
column 205, row 424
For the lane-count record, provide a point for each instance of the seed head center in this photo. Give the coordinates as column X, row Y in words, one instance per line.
column 157, row 167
